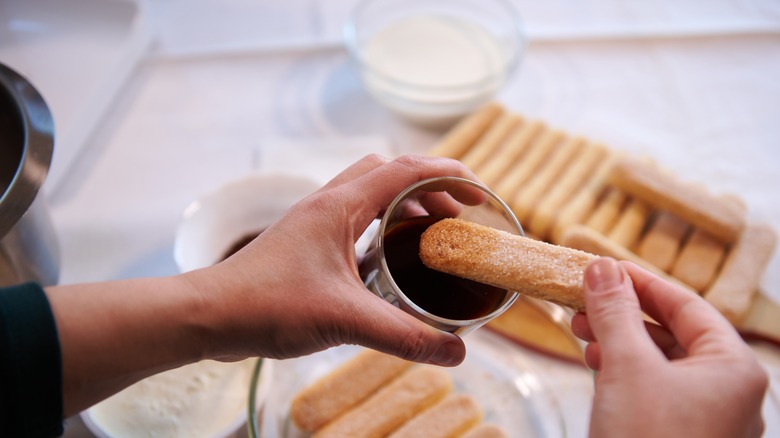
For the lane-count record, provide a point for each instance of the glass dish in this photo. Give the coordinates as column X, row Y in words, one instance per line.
column 433, row 61
column 495, row 372
column 203, row 399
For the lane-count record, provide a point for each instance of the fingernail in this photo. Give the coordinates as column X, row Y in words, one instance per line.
column 447, row 355
column 604, row 274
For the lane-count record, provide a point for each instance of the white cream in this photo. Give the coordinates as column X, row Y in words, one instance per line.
column 205, row 399
column 430, row 68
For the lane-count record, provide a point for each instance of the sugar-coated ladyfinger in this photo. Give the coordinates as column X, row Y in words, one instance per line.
column 508, row 154
column 447, row 419
column 485, row 430
column 491, row 140
column 642, row 180
column 662, row 242
column 540, row 326
column 733, row 290
column 630, row 224
column 515, row 177
column 567, row 185
column 343, row 388
column 467, row 132
column 699, row 260
column 585, row 201
column 586, row 239
column 391, row 406
column 487, row 255
column 607, row 211
column 524, row 202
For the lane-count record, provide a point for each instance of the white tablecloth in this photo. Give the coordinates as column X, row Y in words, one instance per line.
column 261, row 85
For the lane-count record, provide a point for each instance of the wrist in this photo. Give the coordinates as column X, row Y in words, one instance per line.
column 115, row 333
column 217, row 317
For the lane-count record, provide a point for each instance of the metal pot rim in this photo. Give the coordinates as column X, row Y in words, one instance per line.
column 38, row 148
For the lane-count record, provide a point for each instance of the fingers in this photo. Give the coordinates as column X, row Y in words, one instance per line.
column 662, row 338
column 366, row 188
column 613, row 312
column 464, row 194
column 687, row 324
column 356, row 170
column 381, row 326
column 593, row 356
column 429, row 204
column 380, row 186
column 690, row 319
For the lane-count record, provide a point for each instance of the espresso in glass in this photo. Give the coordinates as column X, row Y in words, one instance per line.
column 441, row 294
column 391, row 267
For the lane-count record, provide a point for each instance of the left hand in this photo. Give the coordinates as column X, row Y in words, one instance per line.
column 295, row 289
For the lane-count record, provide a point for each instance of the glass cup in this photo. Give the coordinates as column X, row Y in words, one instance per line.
column 392, row 269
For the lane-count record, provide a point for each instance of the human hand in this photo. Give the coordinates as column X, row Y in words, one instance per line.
column 690, row 376
column 296, row 289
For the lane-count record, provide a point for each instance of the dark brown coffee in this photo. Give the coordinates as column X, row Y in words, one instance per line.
column 443, row 295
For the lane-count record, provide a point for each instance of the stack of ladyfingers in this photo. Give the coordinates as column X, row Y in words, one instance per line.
column 377, row 395
column 572, row 192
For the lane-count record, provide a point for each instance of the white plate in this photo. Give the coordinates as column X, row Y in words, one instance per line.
column 495, row 373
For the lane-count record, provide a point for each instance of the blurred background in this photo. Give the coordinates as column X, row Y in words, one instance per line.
column 157, row 102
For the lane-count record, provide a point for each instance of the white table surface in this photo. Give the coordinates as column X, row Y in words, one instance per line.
column 261, row 85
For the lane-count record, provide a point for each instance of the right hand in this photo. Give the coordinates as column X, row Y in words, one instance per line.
column 690, row 376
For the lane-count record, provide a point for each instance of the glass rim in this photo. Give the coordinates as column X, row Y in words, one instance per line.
column 350, row 35
column 383, row 262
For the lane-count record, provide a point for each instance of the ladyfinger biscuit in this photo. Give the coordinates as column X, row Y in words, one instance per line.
column 447, row 419
column 699, row 260
column 491, row 141
column 762, row 321
column 391, row 406
column 735, row 287
column 570, row 181
column 485, row 430
column 509, row 185
column 607, row 211
column 525, row 200
column 343, row 388
column 630, row 224
column 487, row 255
column 721, row 219
column 509, row 153
column 540, row 326
column 467, row 132
column 586, row 239
column 584, row 202
column 663, row 240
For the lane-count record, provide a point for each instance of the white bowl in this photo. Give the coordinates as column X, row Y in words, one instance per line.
column 434, row 61
column 214, row 223
column 207, row 399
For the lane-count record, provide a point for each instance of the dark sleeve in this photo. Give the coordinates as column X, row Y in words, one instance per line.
column 30, row 364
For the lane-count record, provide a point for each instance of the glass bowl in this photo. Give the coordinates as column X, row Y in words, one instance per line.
column 496, row 373
column 434, row 61
column 205, row 399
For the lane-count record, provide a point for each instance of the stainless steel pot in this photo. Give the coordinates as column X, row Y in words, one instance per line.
column 29, row 250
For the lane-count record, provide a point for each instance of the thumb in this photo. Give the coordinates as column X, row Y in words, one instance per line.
column 388, row 329
column 613, row 311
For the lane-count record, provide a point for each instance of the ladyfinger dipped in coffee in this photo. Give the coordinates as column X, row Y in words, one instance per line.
column 487, row 255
